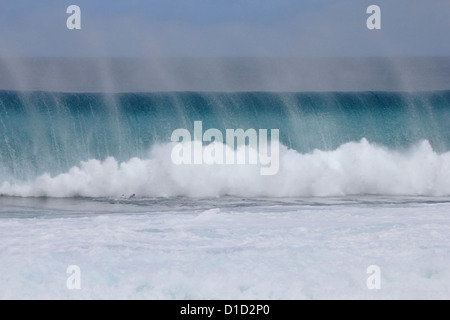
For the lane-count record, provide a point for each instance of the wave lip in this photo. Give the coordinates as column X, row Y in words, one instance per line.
column 355, row 168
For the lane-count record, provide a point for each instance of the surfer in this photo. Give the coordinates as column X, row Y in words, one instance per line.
column 129, row 198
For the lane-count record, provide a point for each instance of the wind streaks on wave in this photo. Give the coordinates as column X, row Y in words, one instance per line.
column 63, row 145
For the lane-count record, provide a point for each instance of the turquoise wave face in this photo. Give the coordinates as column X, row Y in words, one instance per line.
column 51, row 132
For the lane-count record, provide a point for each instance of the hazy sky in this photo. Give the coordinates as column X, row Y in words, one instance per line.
column 218, row 28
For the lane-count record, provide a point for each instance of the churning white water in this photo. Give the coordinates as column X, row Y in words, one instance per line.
column 225, row 248
column 355, row 168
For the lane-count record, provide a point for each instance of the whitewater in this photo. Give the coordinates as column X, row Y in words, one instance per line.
column 87, row 180
column 226, row 248
column 355, row 168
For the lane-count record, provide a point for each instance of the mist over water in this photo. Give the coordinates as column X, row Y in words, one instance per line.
column 225, row 74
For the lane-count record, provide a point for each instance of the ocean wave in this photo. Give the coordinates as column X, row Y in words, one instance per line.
column 52, row 132
column 354, row 168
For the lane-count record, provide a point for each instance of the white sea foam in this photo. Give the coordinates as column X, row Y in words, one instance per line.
column 263, row 252
column 353, row 169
